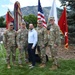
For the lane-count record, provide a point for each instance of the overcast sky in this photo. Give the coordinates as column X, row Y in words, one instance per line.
column 9, row 4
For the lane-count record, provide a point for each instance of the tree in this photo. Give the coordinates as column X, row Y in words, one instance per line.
column 30, row 19
column 2, row 22
column 68, row 3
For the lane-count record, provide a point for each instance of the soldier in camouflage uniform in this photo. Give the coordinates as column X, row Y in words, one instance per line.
column 53, row 41
column 9, row 40
column 41, row 31
column 22, row 35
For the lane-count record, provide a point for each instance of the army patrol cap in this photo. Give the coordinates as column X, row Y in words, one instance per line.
column 23, row 23
column 51, row 18
column 11, row 24
column 39, row 21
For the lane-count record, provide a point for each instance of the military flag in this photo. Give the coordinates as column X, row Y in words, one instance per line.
column 53, row 12
column 17, row 15
column 63, row 26
column 41, row 14
column 9, row 18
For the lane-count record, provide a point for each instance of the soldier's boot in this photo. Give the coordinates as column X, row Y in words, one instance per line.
column 21, row 65
column 14, row 64
column 42, row 65
column 26, row 60
column 8, row 66
column 54, row 67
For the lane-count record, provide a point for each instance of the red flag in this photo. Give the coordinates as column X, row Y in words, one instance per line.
column 9, row 19
column 63, row 26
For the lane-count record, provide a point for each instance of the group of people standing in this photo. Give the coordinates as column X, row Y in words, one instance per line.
column 28, row 40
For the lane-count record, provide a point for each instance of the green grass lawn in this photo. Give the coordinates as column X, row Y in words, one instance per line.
column 67, row 67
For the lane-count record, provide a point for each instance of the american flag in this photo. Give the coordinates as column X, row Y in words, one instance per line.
column 40, row 14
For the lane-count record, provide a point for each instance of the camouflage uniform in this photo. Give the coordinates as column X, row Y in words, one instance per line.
column 40, row 44
column 52, row 36
column 9, row 40
column 22, row 42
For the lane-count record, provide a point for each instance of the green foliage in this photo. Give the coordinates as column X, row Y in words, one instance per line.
column 68, row 3
column 30, row 19
column 67, row 67
column 2, row 22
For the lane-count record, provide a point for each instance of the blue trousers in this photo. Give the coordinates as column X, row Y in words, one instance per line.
column 31, row 54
